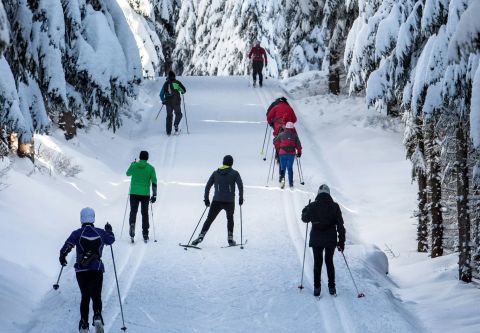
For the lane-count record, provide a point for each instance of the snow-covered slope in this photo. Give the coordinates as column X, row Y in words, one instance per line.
column 165, row 288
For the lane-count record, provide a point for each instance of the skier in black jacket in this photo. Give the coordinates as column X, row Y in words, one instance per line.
column 224, row 179
column 327, row 221
column 171, row 96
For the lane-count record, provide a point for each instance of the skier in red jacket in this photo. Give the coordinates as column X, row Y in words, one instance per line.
column 288, row 145
column 258, row 56
column 279, row 113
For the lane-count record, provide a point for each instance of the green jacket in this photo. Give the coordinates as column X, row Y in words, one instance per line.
column 143, row 174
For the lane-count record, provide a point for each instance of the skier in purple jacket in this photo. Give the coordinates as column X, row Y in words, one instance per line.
column 89, row 242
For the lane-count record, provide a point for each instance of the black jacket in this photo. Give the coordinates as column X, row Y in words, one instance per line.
column 171, row 92
column 327, row 221
column 224, row 179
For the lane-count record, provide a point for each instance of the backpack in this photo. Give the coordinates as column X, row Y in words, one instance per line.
column 90, row 246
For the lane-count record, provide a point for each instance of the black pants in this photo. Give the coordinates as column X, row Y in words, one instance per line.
column 318, row 262
column 215, row 208
column 135, row 200
column 178, row 116
column 257, row 69
column 90, row 283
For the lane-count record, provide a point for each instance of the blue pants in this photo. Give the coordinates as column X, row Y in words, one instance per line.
column 286, row 163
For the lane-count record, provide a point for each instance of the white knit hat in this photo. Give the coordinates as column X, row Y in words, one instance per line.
column 87, row 215
column 289, row 125
column 323, row 189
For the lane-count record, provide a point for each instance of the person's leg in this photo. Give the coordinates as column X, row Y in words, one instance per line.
column 283, row 165
column 134, row 201
column 96, row 284
column 178, row 115
column 260, row 74
column 144, row 200
column 169, row 120
column 317, row 266
column 229, row 210
column 254, row 73
column 329, row 251
column 215, row 208
column 290, row 159
column 83, row 284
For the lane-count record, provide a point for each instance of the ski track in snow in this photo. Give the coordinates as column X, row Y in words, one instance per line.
column 167, row 289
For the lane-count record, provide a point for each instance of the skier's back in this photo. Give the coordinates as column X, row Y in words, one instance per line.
column 279, row 113
column 89, row 242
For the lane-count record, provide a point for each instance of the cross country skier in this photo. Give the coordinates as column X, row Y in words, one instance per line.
column 288, row 145
column 143, row 174
column 89, row 242
column 171, row 97
column 279, row 113
column 224, row 179
column 258, row 56
column 327, row 222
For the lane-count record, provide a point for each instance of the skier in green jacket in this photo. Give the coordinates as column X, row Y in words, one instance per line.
column 143, row 174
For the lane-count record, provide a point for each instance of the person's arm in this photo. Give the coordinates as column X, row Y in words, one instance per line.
column 264, row 53
column 67, row 247
column 340, row 228
column 294, row 117
column 250, row 54
column 162, row 93
column 108, row 237
column 153, row 180
column 130, row 169
column 209, row 185
column 182, row 87
column 298, row 145
column 271, row 116
column 239, row 182
column 306, row 214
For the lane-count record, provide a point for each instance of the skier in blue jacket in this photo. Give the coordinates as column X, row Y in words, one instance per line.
column 89, row 242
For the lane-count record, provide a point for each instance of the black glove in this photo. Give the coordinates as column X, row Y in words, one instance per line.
column 164, row 102
column 108, row 227
column 299, row 154
column 272, row 124
column 63, row 260
column 341, row 247
column 153, row 199
column 240, row 201
column 207, row 202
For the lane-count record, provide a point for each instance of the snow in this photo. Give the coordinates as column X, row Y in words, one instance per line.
column 475, row 110
column 216, row 290
column 467, row 33
column 4, row 34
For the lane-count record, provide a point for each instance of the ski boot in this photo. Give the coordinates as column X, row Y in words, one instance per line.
column 261, row 84
column 231, row 242
column 98, row 323
column 332, row 290
column 83, row 326
column 145, row 238
column 176, row 130
column 316, row 292
column 198, row 240
column 254, row 84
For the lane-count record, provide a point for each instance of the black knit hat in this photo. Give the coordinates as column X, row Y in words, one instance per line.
column 228, row 160
column 144, row 155
column 171, row 74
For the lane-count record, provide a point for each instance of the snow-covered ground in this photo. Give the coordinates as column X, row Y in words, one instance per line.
column 164, row 288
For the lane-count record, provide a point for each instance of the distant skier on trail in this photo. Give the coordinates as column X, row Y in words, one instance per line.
column 327, row 222
column 143, row 175
column 171, row 96
column 224, row 179
column 288, row 145
column 89, row 242
column 258, row 56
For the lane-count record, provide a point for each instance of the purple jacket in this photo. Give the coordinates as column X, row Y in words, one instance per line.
column 89, row 242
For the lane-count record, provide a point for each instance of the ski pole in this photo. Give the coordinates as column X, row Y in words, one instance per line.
column 124, row 214
column 303, row 264
column 268, row 144
column 269, row 169
column 159, row 112
column 200, row 220
column 300, row 172
column 359, row 294
column 264, row 139
column 56, row 285
column 153, row 223
column 186, row 118
column 124, row 328
column 241, row 228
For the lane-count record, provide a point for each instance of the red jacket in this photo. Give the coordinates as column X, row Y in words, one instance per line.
column 257, row 53
column 288, row 142
column 279, row 115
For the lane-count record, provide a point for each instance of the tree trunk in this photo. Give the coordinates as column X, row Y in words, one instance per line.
column 334, row 74
column 433, row 153
column 422, row 228
column 67, row 123
column 26, row 149
column 464, row 237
